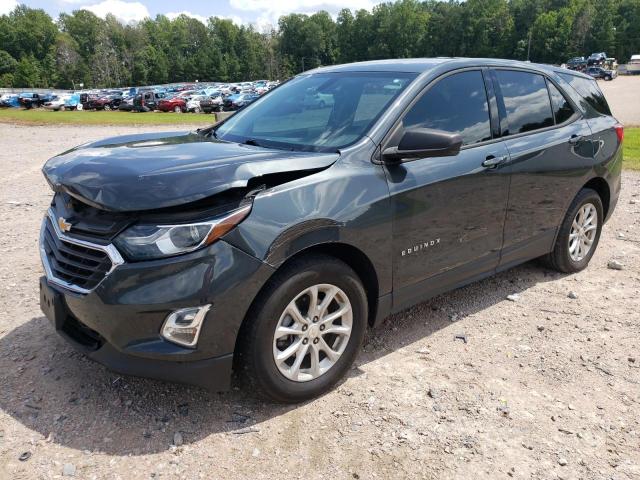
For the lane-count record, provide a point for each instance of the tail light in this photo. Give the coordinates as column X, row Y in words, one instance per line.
column 619, row 132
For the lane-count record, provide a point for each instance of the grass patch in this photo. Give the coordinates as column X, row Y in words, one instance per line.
column 45, row 117
column 631, row 148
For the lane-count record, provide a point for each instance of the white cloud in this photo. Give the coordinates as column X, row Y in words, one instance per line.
column 172, row 15
column 126, row 12
column 7, row 6
column 271, row 10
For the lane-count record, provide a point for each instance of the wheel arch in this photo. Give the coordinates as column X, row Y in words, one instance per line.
column 350, row 255
column 601, row 187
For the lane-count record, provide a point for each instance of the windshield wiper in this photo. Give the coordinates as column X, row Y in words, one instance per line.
column 253, row 142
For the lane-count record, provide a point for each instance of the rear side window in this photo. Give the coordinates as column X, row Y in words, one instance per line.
column 589, row 90
column 526, row 101
column 562, row 109
column 456, row 104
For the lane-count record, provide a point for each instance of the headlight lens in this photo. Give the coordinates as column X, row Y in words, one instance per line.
column 147, row 242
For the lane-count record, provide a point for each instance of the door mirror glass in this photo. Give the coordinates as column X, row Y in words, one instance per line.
column 423, row 143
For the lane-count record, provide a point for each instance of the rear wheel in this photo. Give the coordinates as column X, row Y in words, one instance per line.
column 107, row 107
column 304, row 330
column 579, row 234
column 177, row 109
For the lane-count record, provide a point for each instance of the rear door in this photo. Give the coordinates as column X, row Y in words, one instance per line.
column 550, row 151
column 448, row 211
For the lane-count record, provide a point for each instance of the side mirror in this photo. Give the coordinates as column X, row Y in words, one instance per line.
column 423, row 143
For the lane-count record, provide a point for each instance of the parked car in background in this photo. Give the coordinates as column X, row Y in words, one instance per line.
column 9, row 100
column 126, row 105
column 108, row 102
column 577, row 63
column 175, row 104
column 67, row 101
column 633, row 65
column 193, row 104
column 596, row 59
column 211, row 103
column 599, row 72
column 30, row 100
column 235, row 102
column 89, row 100
column 147, row 101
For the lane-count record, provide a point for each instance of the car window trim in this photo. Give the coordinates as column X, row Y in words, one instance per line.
column 576, row 115
column 569, row 120
column 397, row 124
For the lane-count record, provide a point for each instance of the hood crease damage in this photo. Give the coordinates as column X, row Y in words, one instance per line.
column 162, row 170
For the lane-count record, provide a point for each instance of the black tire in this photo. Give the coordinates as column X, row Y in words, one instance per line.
column 559, row 258
column 255, row 354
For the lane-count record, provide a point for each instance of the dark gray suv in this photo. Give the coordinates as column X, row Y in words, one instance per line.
column 268, row 243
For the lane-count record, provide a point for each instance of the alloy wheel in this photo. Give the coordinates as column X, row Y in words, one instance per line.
column 583, row 232
column 312, row 332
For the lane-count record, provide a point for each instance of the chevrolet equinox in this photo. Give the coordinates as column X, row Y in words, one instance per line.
column 266, row 244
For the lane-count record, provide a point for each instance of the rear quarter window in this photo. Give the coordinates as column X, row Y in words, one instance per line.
column 589, row 90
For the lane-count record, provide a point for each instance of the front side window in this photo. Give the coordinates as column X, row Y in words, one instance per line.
column 562, row 109
column 320, row 112
column 456, row 104
column 526, row 101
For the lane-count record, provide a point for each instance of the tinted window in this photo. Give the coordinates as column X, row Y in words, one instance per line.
column 456, row 104
column 526, row 101
column 562, row 109
column 589, row 90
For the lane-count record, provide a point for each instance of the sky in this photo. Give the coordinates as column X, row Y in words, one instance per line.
column 260, row 13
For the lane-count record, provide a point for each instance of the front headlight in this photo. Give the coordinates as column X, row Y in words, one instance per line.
column 147, row 242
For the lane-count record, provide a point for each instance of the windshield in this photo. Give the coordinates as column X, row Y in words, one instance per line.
column 318, row 112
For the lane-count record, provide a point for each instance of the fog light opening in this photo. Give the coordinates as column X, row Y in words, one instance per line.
column 183, row 326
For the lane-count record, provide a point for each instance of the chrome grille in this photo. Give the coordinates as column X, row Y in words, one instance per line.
column 74, row 264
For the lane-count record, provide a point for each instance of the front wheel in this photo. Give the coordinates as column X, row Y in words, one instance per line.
column 579, row 234
column 304, row 330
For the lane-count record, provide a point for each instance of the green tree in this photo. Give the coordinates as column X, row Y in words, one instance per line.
column 27, row 73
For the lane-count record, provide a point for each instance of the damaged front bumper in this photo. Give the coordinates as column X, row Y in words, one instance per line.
column 119, row 322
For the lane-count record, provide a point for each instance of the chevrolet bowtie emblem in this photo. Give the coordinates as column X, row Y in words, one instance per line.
column 64, row 225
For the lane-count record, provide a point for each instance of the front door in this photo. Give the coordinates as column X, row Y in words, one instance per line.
column 448, row 211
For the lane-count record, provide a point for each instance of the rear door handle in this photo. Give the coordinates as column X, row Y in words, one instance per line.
column 492, row 161
column 575, row 139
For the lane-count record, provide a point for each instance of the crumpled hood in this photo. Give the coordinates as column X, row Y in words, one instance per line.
column 158, row 170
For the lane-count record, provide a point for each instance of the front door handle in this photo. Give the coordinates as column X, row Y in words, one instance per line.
column 575, row 139
column 492, row 161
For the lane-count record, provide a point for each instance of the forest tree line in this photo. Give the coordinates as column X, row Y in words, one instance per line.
column 81, row 48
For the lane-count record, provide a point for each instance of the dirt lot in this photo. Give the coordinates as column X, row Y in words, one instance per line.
column 623, row 95
column 545, row 387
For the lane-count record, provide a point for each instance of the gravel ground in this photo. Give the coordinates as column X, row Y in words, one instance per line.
column 545, row 387
column 623, row 95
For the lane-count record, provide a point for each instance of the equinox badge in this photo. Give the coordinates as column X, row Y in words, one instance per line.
column 420, row 247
